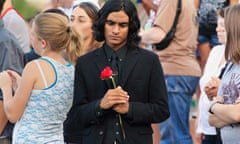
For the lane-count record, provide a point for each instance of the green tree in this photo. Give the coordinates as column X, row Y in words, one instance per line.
column 24, row 8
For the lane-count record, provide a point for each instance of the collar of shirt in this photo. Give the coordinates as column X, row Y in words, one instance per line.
column 121, row 52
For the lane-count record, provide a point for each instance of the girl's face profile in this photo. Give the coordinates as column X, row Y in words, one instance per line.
column 221, row 32
column 81, row 22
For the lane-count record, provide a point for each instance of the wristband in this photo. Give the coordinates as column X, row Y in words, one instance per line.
column 212, row 104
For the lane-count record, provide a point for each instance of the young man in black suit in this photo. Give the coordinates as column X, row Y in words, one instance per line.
column 102, row 114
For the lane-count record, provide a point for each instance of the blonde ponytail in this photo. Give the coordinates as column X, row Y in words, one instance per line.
column 74, row 50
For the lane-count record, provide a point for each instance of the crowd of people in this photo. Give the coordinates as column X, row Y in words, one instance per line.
column 90, row 73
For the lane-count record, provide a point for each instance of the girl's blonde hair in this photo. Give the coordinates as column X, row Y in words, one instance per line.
column 55, row 29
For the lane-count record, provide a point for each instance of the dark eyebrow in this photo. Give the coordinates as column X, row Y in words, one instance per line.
column 121, row 23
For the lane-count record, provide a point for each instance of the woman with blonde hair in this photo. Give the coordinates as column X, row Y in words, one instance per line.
column 44, row 92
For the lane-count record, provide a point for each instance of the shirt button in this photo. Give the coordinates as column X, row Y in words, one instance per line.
column 117, row 133
column 101, row 133
column 117, row 124
column 98, row 113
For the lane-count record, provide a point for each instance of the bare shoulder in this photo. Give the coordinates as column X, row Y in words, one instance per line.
column 30, row 70
column 30, row 66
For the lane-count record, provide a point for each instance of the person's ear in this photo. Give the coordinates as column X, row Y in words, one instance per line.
column 44, row 43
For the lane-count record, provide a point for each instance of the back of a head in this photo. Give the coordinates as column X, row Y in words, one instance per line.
column 114, row 6
column 1, row 5
column 54, row 28
column 55, row 10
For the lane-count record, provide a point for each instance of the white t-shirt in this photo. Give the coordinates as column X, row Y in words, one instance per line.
column 18, row 27
column 212, row 69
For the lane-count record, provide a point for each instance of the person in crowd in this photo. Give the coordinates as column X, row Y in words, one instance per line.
column 180, row 66
column 15, row 23
column 66, row 6
column 224, row 110
column 102, row 112
column 151, row 6
column 151, row 9
column 209, row 82
column 44, row 92
column 50, row 4
column 12, row 57
column 83, row 16
column 82, row 19
column 207, row 19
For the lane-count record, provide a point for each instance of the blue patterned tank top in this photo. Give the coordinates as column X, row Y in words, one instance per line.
column 42, row 120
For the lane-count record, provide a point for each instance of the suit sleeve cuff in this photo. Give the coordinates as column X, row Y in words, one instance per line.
column 129, row 115
column 99, row 112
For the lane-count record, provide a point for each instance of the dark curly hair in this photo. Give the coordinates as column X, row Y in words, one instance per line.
column 114, row 6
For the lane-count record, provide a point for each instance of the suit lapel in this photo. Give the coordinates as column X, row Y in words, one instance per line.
column 101, row 62
column 128, row 65
column 100, row 59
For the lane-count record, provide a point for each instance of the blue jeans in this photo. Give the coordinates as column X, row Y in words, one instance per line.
column 175, row 130
column 211, row 39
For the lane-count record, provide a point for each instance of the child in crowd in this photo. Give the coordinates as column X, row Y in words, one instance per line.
column 44, row 92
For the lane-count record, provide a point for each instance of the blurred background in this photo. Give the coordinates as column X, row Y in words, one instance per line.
column 29, row 8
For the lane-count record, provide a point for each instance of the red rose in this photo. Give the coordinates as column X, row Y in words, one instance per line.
column 106, row 73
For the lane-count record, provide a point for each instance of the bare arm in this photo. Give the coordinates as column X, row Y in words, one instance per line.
column 197, row 4
column 3, row 118
column 14, row 106
column 215, row 121
column 229, row 113
column 156, row 133
column 153, row 35
column 148, row 5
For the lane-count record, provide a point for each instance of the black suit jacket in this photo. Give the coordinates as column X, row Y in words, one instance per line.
column 141, row 76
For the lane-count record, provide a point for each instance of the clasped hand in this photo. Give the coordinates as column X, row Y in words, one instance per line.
column 117, row 99
column 211, row 88
column 9, row 79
